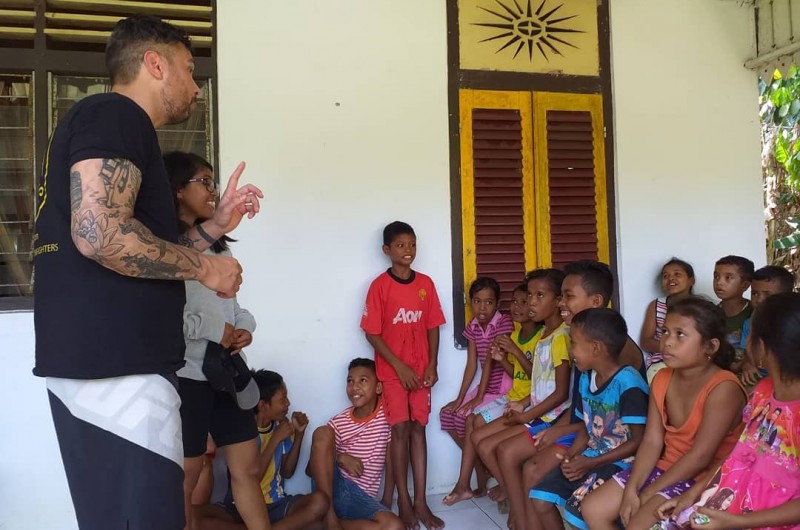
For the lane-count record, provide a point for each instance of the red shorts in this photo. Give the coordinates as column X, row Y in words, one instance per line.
column 401, row 405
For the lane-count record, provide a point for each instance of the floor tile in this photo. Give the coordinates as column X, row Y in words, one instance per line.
column 469, row 518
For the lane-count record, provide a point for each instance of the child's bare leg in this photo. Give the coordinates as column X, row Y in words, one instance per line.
column 547, row 513
column 243, row 464
column 192, row 467
column 601, row 508
column 533, row 471
column 307, row 513
column 459, row 440
column 511, row 454
column 645, row 517
column 382, row 521
column 388, row 482
column 486, row 440
column 461, row 490
column 320, row 466
column 419, row 469
column 399, row 448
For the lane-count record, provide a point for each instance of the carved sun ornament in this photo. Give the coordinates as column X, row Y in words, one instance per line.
column 545, row 29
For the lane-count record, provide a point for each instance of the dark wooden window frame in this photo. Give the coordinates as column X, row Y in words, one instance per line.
column 487, row 80
column 40, row 61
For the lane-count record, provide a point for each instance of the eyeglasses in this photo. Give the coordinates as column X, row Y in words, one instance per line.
column 210, row 185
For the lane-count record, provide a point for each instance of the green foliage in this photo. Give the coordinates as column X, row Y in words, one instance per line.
column 780, row 106
column 780, row 115
column 792, row 240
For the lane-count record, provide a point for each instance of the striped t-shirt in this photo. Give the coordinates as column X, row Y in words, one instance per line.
column 501, row 324
column 364, row 438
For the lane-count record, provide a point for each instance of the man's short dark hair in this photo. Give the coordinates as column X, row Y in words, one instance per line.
column 596, row 277
column 395, row 229
column 268, row 382
column 773, row 273
column 605, row 325
column 745, row 266
column 131, row 38
column 361, row 362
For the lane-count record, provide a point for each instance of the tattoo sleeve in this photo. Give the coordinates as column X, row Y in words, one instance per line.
column 102, row 197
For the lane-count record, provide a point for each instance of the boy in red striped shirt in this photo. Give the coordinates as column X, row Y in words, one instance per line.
column 355, row 440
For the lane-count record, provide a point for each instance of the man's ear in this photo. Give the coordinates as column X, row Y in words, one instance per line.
column 746, row 286
column 154, row 63
column 379, row 388
column 385, row 249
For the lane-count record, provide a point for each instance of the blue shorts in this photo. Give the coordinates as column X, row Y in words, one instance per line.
column 557, row 489
column 350, row 502
column 538, row 425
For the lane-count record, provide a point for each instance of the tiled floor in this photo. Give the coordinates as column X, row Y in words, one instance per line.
column 475, row 514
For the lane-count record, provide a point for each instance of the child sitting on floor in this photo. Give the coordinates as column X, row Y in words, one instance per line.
column 348, row 455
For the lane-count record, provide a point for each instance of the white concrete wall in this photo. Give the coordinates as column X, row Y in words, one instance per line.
column 688, row 174
column 340, row 110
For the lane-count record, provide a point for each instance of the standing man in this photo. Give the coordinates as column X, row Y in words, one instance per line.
column 110, row 266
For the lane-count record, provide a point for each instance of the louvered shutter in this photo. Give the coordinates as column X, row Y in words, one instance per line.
column 496, row 188
column 571, row 185
column 17, row 23
column 499, row 230
column 570, row 175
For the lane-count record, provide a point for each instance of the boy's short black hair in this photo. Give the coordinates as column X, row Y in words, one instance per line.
column 361, row 362
column 132, row 37
column 268, row 382
column 395, row 229
column 596, row 277
column 745, row 266
column 773, row 273
column 554, row 277
column 605, row 325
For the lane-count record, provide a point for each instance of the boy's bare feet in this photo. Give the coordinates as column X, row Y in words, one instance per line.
column 498, row 493
column 407, row 515
column 426, row 516
column 479, row 492
column 457, row 495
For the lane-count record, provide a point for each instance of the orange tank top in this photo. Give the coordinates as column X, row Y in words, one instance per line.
column 678, row 440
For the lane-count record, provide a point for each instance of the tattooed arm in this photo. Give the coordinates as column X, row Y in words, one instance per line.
column 102, row 197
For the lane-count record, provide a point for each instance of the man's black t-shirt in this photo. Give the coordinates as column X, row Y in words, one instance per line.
column 92, row 322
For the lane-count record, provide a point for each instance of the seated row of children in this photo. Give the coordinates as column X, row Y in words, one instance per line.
column 549, row 434
column 548, row 452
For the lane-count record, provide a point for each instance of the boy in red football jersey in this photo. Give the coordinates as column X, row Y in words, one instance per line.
column 401, row 320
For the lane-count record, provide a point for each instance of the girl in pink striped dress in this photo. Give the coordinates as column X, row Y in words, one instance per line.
column 487, row 324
